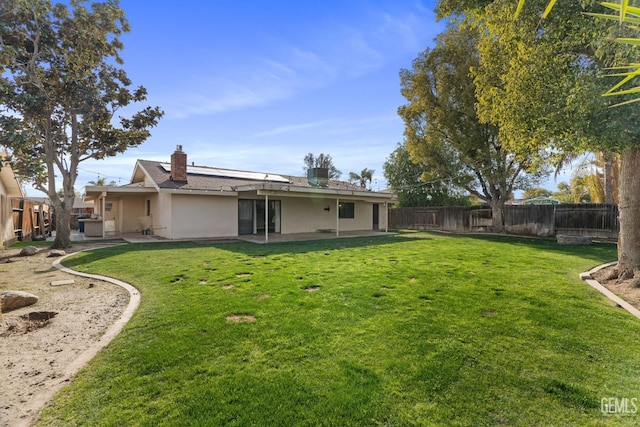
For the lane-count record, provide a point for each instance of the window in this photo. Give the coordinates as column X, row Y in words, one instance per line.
column 148, row 207
column 347, row 210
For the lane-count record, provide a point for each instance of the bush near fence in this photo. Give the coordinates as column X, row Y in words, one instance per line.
column 597, row 220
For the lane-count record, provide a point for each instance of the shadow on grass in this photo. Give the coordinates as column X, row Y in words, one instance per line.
column 245, row 248
column 596, row 252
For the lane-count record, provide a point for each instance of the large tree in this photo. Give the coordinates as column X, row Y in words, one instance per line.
column 550, row 75
column 443, row 130
column 414, row 184
column 60, row 89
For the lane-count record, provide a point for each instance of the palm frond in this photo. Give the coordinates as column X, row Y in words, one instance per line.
column 628, row 19
column 628, row 40
column 631, row 101
column 631, row 91
column 622, row 9
column 519, row 8
column 548, row 9
column 622, row 67
column 628, row 76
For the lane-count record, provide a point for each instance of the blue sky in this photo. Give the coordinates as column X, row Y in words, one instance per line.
column 257, row 85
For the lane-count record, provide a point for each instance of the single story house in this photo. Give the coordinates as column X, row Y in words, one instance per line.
column 175, row 200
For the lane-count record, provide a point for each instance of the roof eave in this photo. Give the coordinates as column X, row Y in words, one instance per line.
column 271, row 188
column 10, row 182
column 94, row 192
column 199, row 191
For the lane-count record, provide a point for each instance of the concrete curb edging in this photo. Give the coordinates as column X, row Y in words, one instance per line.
column 587, row 277
column 112, row 331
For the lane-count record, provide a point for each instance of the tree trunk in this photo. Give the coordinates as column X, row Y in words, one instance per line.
column 63, row 227
column 608, row 177
column 629, row 206
column 497, row 218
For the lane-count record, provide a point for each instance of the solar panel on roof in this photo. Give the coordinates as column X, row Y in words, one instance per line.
column 226, row 173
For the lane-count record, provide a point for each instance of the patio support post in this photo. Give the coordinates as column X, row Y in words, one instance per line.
column 266, row 218
column 337, row 217
column 102, row 209
column 386, row 214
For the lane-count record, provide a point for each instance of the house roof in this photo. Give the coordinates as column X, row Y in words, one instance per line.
column 153, row 176
column 226, row 179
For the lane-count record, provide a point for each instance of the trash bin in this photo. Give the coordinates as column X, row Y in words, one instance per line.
column 81, row 223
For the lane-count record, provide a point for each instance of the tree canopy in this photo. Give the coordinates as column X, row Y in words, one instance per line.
column 540, row 82
column 60, row 91
column 411, row 182
column 443, row 130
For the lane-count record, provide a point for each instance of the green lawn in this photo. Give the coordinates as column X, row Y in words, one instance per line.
column 417, row 329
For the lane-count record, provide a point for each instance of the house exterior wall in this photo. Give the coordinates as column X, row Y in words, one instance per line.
column 6, row 217
column 161, row 211
column 305, row 215
column 302, row 215
column 131, row 207
column 362, row 220
column 203, row 216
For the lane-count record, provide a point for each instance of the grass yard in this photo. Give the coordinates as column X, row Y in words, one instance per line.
column 417, row 329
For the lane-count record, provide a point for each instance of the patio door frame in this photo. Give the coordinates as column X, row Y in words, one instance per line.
column 263, row 220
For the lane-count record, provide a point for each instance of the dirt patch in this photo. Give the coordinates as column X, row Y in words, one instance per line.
column 261, row 297
column 27, row 323
column 38, row 342
column 310, row 288
column 241, row 318
column 628, row 290
column 227, row 286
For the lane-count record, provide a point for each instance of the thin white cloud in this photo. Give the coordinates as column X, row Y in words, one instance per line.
column 219, row 97
column 331, row 126
column 295, row 128
column 329, row 53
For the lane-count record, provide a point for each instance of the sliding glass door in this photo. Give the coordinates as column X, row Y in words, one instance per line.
column 251, row 216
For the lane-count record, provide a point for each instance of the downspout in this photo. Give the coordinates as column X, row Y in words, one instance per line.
column 266, row 218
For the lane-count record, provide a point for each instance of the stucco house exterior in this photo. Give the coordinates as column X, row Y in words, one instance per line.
column 9, row 189
column 175, row 200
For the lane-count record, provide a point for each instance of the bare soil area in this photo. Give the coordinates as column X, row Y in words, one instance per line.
column 39, row 342
column 628, row 290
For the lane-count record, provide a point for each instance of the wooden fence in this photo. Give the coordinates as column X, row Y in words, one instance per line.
column 31, row 219
column 597, row 220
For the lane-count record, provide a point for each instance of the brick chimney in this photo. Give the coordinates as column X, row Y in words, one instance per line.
column 179, row 165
